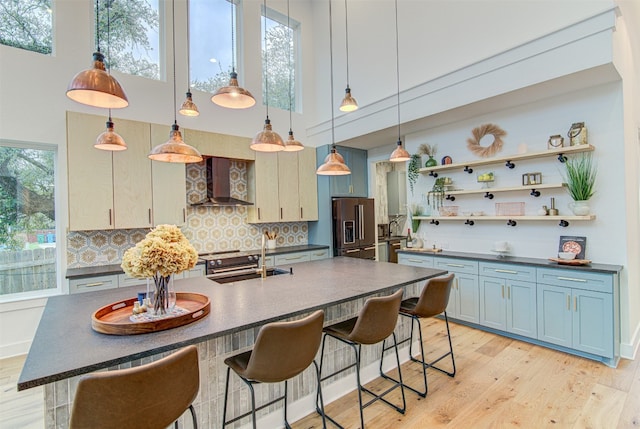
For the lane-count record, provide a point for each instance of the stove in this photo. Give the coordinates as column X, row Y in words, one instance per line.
column 228, row 262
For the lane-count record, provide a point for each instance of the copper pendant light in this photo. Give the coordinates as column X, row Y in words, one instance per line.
column 349, row 104
column 94, row 86
column 233, row 96
column 109, row 139
column 399, row 154
column 175, row 149
column 267, row 140
column 291, row 145
column 188, row 107
column 334, row 164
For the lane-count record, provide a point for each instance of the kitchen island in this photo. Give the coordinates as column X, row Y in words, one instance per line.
column 66, row 347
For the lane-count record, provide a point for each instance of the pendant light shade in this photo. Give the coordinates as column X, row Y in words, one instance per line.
column 334, row 164
column 399, row 154
column 189, row 108
column 233, row 96
column 109, row 139
column 349, row 104
column 292, row 145
column 267, row 140
column 175, row 149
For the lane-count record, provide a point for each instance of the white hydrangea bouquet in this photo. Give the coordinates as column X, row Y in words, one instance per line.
column 163, row 252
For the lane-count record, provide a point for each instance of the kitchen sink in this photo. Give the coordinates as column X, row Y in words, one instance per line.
column 231, row 278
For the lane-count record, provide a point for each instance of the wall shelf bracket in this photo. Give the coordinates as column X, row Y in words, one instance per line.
column 451, row 198
column 534, row 193
column 564, row 223
column 511, row 222
column 433, row 174
column 562, row 158
column 434, row 222
column 469, row 222
column 488, row 195
column 509, row 165
column 467, row 169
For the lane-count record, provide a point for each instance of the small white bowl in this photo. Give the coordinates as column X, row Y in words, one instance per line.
column 566, row 255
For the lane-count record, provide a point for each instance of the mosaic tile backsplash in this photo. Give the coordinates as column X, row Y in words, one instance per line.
column 209, row 229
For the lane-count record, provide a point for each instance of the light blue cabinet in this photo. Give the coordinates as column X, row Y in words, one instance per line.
column 463, row 301
column 576, row 310
column 424, row 261
column 508, row 303
column 356, row 183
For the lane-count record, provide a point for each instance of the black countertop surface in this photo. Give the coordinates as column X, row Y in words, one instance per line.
column 104, row 270
column 545, row 263
column 65, row 345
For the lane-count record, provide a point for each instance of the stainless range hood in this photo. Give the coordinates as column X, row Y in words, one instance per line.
column 219, row 185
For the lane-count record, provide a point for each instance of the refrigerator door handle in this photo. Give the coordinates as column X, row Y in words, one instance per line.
column 361, row 220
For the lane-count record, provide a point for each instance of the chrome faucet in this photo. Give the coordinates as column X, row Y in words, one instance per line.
column 391, row 223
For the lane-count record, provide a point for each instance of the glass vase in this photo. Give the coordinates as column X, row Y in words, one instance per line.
column 431, row 162
column 164, row 296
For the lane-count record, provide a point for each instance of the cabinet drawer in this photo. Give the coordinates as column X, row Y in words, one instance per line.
column 269, row 261
column 125, row 280
column 316, row 255
column 456, row 265
column 576, row 279
column 91, row 284
column 415, row 260
column 508, row 271
column 292, row 258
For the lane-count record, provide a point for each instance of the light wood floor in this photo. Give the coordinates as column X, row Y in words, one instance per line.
column 500, row 383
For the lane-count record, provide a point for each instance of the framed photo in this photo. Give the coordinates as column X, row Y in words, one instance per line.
column 573, row 244
column 446, row 160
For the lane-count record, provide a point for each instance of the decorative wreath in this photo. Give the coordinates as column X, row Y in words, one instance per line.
column 474, row 143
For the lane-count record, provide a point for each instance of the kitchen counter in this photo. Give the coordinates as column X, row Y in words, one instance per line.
column 66, row 346
column 102, row 270
column 392, row 238
column 603, row 268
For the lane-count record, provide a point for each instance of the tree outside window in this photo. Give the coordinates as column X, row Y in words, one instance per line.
column 26, row 24
column 27, row 220
column 279, row 51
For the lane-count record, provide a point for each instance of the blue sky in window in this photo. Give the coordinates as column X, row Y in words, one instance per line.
column 210, row 37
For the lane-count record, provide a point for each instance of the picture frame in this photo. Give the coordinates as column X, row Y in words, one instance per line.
column 446, row 160
column 574, row 244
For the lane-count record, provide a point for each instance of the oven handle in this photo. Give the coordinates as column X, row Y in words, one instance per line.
column 236, row 268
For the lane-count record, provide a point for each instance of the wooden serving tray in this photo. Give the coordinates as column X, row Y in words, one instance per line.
column 114, row 319
column 571, row 261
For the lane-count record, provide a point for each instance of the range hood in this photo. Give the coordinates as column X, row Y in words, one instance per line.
column 219, row 184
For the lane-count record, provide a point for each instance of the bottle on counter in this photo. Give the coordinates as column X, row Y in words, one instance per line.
column 409, row 238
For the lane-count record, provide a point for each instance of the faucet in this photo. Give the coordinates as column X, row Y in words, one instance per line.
column 391, row 223
column 263, row 268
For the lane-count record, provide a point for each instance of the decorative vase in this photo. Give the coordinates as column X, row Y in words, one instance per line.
column 580, row 208
column 431, row 162
column 164, row 297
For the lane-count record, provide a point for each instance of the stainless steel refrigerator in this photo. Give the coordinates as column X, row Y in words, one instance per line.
column 354, row 227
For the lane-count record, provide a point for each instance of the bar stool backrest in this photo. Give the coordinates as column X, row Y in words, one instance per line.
column 377, row 319
column 151, row 395
column 434, row 296
column 285, row 349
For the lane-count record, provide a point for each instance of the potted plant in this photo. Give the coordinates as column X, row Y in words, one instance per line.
column 430, row 151
column 413, row 170
column 580, row 177
column 435, row 197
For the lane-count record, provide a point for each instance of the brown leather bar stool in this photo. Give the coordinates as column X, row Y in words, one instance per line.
column 432, row 302
column 148, row 396
column 375, row 322
column 281, row 351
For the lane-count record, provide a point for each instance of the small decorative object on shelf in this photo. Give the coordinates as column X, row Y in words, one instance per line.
column 163, row 252
column 446, row 160
column 448, row 211
column 577, row 134
column 543, row 211
column 435, row 197
column 573, row 244
column 510, row 209
column 473, row 144
column 430, row 151
column 485, row 179
column 553, row 211
column 580, row 178
column 531, row 179
column 555, row 141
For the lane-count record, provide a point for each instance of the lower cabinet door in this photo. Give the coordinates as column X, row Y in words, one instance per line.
column 492, row 303
column 467, row 289
column 554, row 315
column 521, row 308
column 593, row 322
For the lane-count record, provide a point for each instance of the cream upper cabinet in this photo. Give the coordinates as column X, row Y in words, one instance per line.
column 107, row 190
column 168, row 184
column 263, row 174
column 222, row 145
column 307, row 184
column 288, row 187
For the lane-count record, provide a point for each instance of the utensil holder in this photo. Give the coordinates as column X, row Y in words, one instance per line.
column 271, row 244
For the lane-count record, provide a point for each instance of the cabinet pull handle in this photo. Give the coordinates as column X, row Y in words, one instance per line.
column 319, row 254
column 94, row 284
column 149, row 215
column 457, row 284
column 370, row 248
column 258, row 212
column 351, row 189
column 502, row 291
column 416, row 260
column 508, row 292
column 110, row 219
column 293, row 258
column 455, row 265
column 575, row 303
column 505, row 271
column 184, row 215
column 301, row 215
column 571, row 279
column 280, row 212
column 352, row 251
column 569, row 302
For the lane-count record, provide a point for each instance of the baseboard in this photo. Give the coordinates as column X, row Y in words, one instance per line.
column 15, row 349
column 630, row 350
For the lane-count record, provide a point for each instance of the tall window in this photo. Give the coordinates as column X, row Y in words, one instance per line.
column 27, row 220
column 281, row 41
column 210, row 42
column 26, row 24
column 135, row 36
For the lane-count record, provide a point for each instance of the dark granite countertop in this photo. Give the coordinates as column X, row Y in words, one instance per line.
column 545, row 263
column 65, row 344
column 105, row 270
column 392, row 238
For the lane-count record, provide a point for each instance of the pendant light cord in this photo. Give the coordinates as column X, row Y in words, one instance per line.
column 289, row 59
column 233, row 45
column 266, row 61
column 346, row 32
column 397, row 67
column 173, row 37
column 333, row 133
column 188, row 49
column 98, row 25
